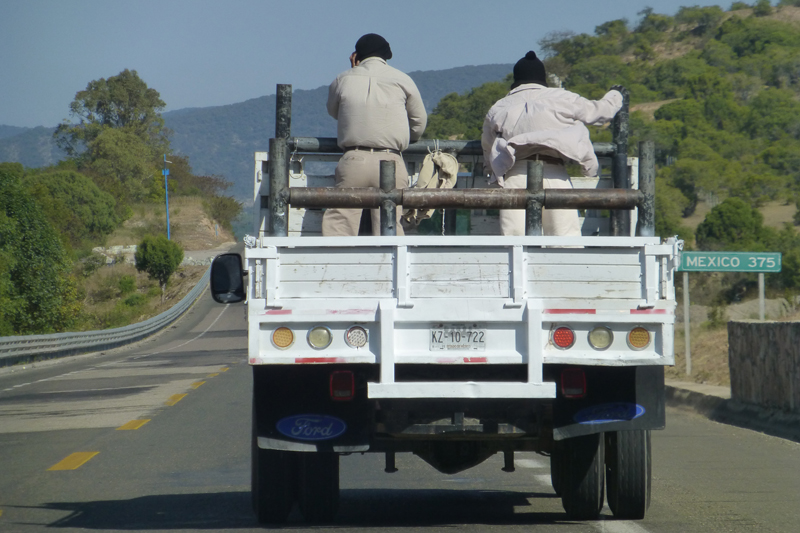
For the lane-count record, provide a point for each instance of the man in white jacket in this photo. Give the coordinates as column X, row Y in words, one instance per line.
column 532, row 122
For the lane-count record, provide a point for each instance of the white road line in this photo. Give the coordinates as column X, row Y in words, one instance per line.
column 531, row 463
column 89, row 390
column 543, row 479
column 619, row 526
column 189, row 341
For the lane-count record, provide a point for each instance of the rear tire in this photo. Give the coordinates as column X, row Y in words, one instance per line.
column 557, row 466
column 273, row 481
column 319, row 486
column 273, row 477
column 582, row 476
column 628, row 473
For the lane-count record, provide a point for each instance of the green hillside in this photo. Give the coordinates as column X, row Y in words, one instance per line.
column 719, row 94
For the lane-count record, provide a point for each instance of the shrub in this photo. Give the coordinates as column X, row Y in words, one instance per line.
column 91, row 263
column 38, row 294
column 135, row 300
column 127, row 284
column 159, row 258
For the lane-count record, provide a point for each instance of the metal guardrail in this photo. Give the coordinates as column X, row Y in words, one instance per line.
column 31, row 348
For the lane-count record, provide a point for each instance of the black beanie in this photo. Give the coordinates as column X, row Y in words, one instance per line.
column 529, row 70
column 372, row 45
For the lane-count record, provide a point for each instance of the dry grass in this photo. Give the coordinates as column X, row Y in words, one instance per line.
column 107, row 305
column 189, row 225
column 709, row 349
column 776, row 214
column 649, row 108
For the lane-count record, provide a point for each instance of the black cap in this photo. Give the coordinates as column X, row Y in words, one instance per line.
column 529, row 69
column 372, row 45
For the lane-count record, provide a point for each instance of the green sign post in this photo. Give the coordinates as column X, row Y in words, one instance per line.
column 756, row 262
column 730, row 262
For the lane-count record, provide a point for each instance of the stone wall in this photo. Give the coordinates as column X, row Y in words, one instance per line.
column 764, row 360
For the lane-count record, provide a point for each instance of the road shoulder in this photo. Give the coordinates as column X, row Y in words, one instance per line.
column 715, row 403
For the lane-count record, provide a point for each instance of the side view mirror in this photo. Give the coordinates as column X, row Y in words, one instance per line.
column 227, row 279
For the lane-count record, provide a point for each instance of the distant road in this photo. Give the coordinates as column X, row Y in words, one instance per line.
column 155, row 437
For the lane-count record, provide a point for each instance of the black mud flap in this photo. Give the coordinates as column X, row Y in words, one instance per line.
column 617, row 399
column 294, row 411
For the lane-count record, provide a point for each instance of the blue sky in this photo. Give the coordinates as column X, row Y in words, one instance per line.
column 200, row 53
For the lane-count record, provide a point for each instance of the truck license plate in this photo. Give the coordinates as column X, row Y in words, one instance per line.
column 446, row 339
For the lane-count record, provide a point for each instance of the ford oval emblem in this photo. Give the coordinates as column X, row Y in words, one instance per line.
column 609, row 412
column 311, row 427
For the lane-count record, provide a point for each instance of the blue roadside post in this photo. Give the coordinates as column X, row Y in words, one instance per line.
column 759, row 262
column 166, row 189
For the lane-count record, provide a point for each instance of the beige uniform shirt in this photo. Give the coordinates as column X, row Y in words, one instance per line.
column 535, row 119
column 376, row 106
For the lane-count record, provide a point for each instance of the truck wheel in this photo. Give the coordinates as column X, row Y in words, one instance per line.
column 272, row 482
column 628, row 473
column 582, row 469
column 319, row 486
column 556, row 466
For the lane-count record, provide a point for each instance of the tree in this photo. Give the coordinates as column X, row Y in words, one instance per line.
column 159, row 258
column 762, row 8
column 125, row 165
column 72, row 202
column 223, row 209
column 461, row 116
column 121, row 102
column 670, row 206
column 732, row 225
column 37, row 291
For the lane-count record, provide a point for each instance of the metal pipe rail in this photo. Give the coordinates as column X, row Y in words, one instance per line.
column 32, row 348
column 533, row 199
column 365, row 198
column 328, row 145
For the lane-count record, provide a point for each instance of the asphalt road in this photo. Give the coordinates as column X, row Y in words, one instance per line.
column 155, row 437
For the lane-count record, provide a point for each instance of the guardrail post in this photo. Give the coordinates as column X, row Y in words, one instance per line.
column 646, row 225
column 388, row 207
column 533, row 207
column 279, row 163
column 620, row 221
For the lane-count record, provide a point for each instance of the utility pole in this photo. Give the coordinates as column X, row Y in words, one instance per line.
column 166, row 189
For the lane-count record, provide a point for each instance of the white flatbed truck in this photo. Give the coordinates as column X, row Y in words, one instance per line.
column 452, row 347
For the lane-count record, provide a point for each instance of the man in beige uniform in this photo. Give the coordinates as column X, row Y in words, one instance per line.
column 379, row 111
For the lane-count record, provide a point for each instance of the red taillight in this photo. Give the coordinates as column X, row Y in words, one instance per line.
column 563, row 337
column 573, row 383
column 343, row 386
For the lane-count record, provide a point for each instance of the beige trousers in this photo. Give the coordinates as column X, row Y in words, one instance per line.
column 561, row 222
column 360, row 168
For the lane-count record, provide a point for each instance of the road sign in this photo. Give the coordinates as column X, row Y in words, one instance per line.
column 730, row 262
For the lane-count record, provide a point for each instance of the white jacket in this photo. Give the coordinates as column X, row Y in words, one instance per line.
column 533, row 119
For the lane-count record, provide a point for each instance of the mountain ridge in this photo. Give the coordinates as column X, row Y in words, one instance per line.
column 220, row 140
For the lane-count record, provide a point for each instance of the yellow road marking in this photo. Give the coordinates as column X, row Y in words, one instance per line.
column 134, row 424
column 197, row 384
column 175, row 398
column 223, row 369
column 215, row 374
column 72, row 462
